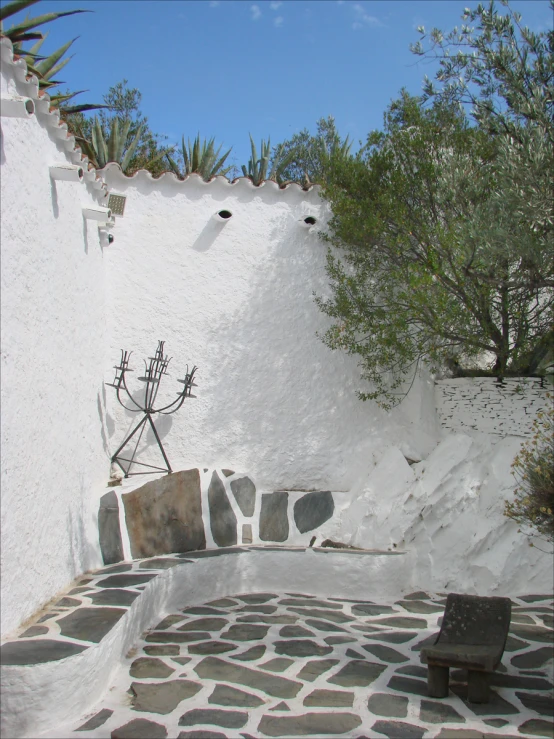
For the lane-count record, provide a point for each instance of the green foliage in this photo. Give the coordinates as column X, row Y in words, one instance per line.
column 533, row 468
column 258, row 168
column 201, row 158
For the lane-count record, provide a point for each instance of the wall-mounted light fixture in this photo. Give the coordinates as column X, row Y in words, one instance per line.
column 97, row 213
column 116, row 203
column 16, row 107
column 69, row 172
column 222, row 215
column 308, row 221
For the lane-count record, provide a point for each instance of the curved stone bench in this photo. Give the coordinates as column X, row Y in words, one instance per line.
column 60, row 666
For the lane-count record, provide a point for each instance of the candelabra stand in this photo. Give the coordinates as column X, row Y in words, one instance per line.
column 154, row 371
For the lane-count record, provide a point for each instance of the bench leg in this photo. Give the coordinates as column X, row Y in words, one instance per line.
column 478, row 686
column 437, row 681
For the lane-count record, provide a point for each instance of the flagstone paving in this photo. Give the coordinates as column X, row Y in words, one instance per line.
column 292, row 665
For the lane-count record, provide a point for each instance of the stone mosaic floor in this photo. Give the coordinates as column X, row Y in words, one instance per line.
column 291, row 665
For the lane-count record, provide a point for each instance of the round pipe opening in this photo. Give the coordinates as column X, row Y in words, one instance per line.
column 224, row 214
column 310, row 221
column 111, row 238
column 29, row 106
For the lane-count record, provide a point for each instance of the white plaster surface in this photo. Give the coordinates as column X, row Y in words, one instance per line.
column 53, row 350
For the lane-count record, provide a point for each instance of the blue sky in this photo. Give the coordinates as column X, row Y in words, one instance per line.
column 270, row 68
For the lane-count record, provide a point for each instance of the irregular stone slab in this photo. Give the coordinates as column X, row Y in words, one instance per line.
column 329, row 699
column 415, row 670
column 402, row 622
column 227, row 473
column 163, row 649
column 113, row 597
column 109, row 532
column 428, row 641
column 227, row 719
column 149, row 667
column 165, row 515
column 244, row 491
column 547, row 620
column 162, row 697
column 312, row 510
column 256, row 598
column 212, row 647
column 312, row 603
column 212, row 553
column 201, row 734
column 67, row 603
column 164, row 563
column 535, row 598
column 279, row 664
column 368, row 629
column 274, row 523
column 291, row 632
column 408, row 685
column 282, row 706
column 214, row 668
column 533, row 633
column 117, row 568
column 357, row 673
column 223, row 521
column 124, row 581
column 245, row 632
column 225, row 695
column 419, row 595
column 537, row 658
column 537, row 727
column 140, row 728
column 318, row 724
column 258, row 609
column 335, row 616
column 168, row 621
column 386, row 654
column 339, row 640
column 384, row 704
column 48, row 616
column 448, row 733
column 354, row 655
column 202, row 611
column 542, row 704
column 496, row 722
column 398, row 730
column 315, row 668
column 323, row 625
column 204, row 624
column 37, row 651
column 510, row 681
column 496, row 706
column 251, row 654
column 74, row 591
column 301, row 648
column 176, row 637
column 395, row 637
column 90, row 624
column 34, row 631
column 439, row 713
column 420, row 606
column 514, row 645
column 521, row 618
column 223, row 603
column 97, row 720
column 281, row 618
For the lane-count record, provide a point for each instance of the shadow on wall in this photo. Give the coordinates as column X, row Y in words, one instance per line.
column 2, row 152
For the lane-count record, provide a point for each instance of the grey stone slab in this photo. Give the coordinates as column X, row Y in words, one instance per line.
column 533, row 633
column 278, row 664
column 244, row 491
column 385, row 704
column 408, row 685
column 257, row 609
column 113, row 597
column 353, row 654
column 223, row 521
column 176, row 637
column 535, row 598
column 255, row 618
column 394, row 637
column 294, row 631
column 214, row 552
column 336, row 617
column 201, row 734
column 420, row 606
column 372, row 610
column 99, row 719
column 318, row 724
column 414, row 670
column 227, row 719
column 312, row 510
column 162, row 697
column 245, row 632
column 514, row 645
column 402, row 622
column 202, row 611
column 537, row 727
column 547, row 620
column 274, row 523
column 205, row 624
column 357, row 672
column 510, row 681
column 313, row 669
column 181, row 660
column 543, row 704
column 434, row 712
column 536, row 658
column 140, row 728
column 418, row 595
column 521, row 618
column 227, row 473
column 256, row 598
column 386, row 654
column 301, row 648
column 329, row 699
column 310, row 603
column 214, row 668
column 124, row 581
column 450, row 733
column 90, row 624
column 212, row 647
column 251, row 654
column 109, row 532
column 427, row 642
column 369, row 629
column 162, row 650
column 339, row 640
column 282, row 706
column 67, row 603
column 225, row 695
column 323, row 625
column 165, row 515
column 496, row 706
column 150, row 667
column 48, row 616
column 398, row 729
column 168, row 621
column 113, row 570
column 37, row 651
column 34, row 631
column 160, row 563
column 496, row 722
column 223, row 603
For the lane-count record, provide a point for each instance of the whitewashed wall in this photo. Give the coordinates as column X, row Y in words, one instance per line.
column 485, row 405
column 53, row 359
column 236, row 298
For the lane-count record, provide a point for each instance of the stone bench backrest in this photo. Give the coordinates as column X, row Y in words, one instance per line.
column 476, row 620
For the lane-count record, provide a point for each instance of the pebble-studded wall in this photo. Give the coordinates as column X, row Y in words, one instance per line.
column 486, row 405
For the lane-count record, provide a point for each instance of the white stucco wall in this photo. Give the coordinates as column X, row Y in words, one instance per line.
column 53, row 359
column 236, row 298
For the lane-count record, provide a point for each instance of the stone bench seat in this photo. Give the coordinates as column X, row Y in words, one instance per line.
column 465, row 656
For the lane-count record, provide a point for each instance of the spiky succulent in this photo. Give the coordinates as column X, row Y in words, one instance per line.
column 201, row 158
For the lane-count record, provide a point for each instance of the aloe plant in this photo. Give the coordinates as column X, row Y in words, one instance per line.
column 257, row 169
column 200, row 158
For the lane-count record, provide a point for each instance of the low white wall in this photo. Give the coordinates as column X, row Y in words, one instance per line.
column 236, row 298
column 485, row 405
column 53, row 350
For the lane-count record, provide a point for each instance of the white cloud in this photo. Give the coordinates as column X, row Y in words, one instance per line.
column 278, row 21
column 256, row 12
column 363, row 18
column 275, row 6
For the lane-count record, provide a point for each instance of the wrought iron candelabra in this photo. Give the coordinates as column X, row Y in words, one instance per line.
column 154, row 371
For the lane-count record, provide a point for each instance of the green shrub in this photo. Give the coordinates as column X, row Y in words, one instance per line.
column 533, row 468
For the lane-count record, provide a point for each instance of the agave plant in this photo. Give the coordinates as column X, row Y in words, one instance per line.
column 258, row 168
column 200, row 158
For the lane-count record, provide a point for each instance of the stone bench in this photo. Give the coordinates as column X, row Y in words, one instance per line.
column 472, row 637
